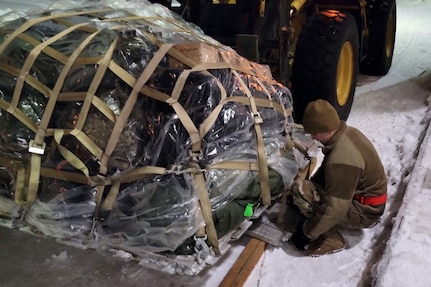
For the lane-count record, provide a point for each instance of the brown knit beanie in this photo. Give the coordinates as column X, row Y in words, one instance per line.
column 320, row 117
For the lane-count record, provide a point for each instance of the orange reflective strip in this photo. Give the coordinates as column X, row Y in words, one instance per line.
column 372, row 200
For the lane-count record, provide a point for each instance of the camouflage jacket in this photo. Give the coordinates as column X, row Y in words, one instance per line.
column 351, row 166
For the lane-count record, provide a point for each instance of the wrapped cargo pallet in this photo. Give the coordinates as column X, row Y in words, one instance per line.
column 123, row 124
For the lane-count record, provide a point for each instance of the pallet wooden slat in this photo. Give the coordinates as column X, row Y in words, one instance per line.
column 242, row 268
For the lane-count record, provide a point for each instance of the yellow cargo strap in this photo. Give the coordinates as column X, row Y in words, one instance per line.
column 20, row 116
column 28, row 24
column 25, row 70
column 130, row 80
column 128, row 106
column 209, row 121
column 37, row 145
column 74, row 160
column 195, row 135
column 63, row 175
column 133, row 175
column 40, row 134
column 30, row 80
column 90, row 97
column 235, row 165
column 261, row 158
column 198, row 182
column 20, row 180
column 198, row 179
column 286, row 112
column 121, row 121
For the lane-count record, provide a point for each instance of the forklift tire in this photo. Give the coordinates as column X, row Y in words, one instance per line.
column 382, row 19
column 326, row 63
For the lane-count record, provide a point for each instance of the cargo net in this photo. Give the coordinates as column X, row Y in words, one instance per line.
column 129, row 125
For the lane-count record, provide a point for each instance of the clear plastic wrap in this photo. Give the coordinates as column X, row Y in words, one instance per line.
column 208, row 87
column 67, row 215
column 156, row 215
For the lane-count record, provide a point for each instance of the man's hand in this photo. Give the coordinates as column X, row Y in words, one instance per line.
column 298, row 239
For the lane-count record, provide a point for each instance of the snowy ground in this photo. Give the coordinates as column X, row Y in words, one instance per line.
column 393, row 112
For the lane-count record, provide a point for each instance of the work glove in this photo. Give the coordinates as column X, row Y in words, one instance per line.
column 305, row 196
column 298, row 239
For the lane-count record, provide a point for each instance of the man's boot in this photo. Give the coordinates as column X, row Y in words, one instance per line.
column 329, row 242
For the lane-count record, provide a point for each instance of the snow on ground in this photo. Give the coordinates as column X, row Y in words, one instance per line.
column 393, row 112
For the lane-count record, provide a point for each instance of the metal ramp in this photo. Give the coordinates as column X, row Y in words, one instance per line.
column 267, row 232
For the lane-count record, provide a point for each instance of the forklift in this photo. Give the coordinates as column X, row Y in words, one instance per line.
column 314, row 47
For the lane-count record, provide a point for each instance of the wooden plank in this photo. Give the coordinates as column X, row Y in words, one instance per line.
column 242, row 268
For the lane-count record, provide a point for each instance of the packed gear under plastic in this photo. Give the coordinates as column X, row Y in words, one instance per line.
column 124, row 122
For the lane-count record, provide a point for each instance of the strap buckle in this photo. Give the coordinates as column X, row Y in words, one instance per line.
column 201, row 248
column 257, row 118
column 36, row 148
column 196, row 156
